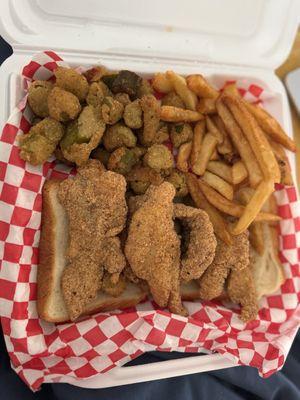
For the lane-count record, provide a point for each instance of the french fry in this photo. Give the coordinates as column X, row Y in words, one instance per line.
column 206, row 106
column 162, row 83
column 225, row 147
column 272, row 127
column 283, row 163
column 219, row 184
column 229, row 207
column 175, row 114
column 215, row 156
column 261, row 194
column 207, row 148
column 221, row 169
column 232, row 90
column 239, row 172
column 219, row 224
column 241, row 144
column 255, row 136
column 213, row 129
column 256, row 237
column 199, row 85
column 183, row 156
column 199, row 131
column 180, row 86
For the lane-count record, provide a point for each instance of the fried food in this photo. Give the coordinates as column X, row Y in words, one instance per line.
column 175, row 114
column 239, row 172
column 221, row 169
column 63, row 106
column 207, row 106
column 101, row 154
column 207, row 148
column 122, row 160
column 82, row 136
column 283, row 163
column 153, row 248
column 118, row 135
column 39, row 143
column 162, row 135
column 126, row 82
column 111, row 110
column 94, row 74
column 144, row 88
column 198, row 232
column 181, row 88
column 71, row 81
column 172, row 99
column 220, row 185
column 95, row 204
column 111, row 288
column 140, row 178
column 227, row 258
column 181, row 133
column 199, row 85
column 133, row 115
column 123, row 98
column 38, row 97
column 162, row 83
column 184, row 152
column 158, row 157
column 151, row 115
column 178, row 180
column 97, row 92
column 199, row 131
column 112, row 257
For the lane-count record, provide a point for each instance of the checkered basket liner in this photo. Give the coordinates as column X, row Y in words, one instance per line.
column 44, row 352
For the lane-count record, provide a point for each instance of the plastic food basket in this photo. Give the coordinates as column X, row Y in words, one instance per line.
column 231, row 39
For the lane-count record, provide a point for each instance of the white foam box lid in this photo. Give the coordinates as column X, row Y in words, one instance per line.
column 222, row 39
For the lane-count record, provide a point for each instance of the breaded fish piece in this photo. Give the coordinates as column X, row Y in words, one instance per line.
column 235, row 257
column 96, row 207
column 201, row 244
column 153, row 247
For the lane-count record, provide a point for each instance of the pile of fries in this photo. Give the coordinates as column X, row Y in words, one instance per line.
column 236, row 154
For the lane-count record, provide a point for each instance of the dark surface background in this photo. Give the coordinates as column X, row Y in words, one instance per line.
column 239, row 383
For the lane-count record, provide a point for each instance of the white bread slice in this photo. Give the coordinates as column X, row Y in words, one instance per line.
column 53, row 244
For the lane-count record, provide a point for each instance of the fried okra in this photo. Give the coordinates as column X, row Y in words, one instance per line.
column 178, row 180
column 95, row 74
column 144, row 88
column 96, row 94
column 122, row 160
column 38, row 97
column 140, row 178
column 172, row 99
column 63, row 106
column 112, row 110
column 181, row 133
column 133, row 115
column 40, row 142
column 151, row 110
column 82, row 136
column 101, row 154
column 123, row 98
column 126, row 82
column 158, row 157
column 70, row 80
column 118, row 135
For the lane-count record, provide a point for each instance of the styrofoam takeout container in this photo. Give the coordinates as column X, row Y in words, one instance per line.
column 223, row 40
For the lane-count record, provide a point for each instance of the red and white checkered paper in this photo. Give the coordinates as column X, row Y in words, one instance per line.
column 44, row 352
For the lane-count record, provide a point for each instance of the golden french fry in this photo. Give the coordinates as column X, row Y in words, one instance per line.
column 213, row 129
column 199, row 131
column 221, row 169
column 255, row 136
column 183, row 156
column 199, row 85
column 229, row 207
column 215, row 156
column 162, row 83
column 232, row 90
column 241, row 144
column 175, row 114
column 219, row 224
column 225, row 147
column 283, row 163
column 206, row 106
column 271, row 126
column 219, row 184
column 180, row 86
column 260, row 196
column 239, row 172
column 207, row 148
column 256, row 237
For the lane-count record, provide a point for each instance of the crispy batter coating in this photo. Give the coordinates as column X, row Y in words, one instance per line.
column 40, row 142
column 227, row 257
column 118, row 135
column 112, row 110
column 122, row 160
column 158, row 157
column 82, row 136
column 38, row 97
column 123, row 98
column 70, row 80
column 95, row 204
column 178, row 180
column 112, row 257
column 133, row 115
column 94, row 74
column 153, row 247
column 201, row 244
column 97, row 92
column 241, row 290
column 140, row 178
column 181, row 133
column 113, row 288
column 63, row 106
column 101, row 154
column 172, row 99
column 151, row 110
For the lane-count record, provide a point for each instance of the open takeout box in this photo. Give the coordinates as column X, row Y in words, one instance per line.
column 230, row 40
